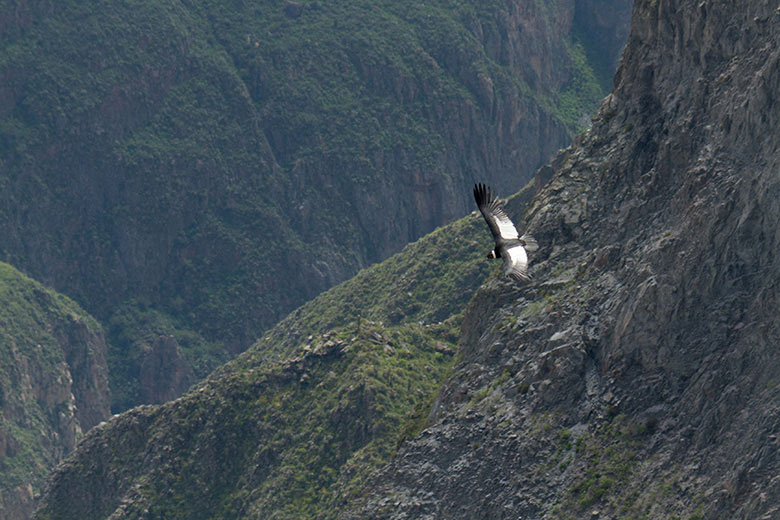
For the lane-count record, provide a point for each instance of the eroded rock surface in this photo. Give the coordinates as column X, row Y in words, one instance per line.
column 637, row 374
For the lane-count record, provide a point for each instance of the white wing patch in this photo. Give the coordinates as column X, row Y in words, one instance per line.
column 505, row 227
column 516, row 262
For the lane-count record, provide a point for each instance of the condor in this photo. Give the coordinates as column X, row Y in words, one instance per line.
column 510, row 247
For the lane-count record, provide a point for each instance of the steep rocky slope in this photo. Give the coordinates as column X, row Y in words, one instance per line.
column 637, row 376
column 293, row 427
column 191, row 172
column 53, row 385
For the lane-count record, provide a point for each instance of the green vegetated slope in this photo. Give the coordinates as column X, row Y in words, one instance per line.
column 428, row 283
column 52, row 361
column 281, row 441
column 294, row 426
column 198, row 170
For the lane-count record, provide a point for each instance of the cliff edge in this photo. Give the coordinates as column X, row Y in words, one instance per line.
column 637, row 375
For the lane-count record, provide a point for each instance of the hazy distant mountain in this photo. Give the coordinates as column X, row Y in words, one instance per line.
column 191, row 172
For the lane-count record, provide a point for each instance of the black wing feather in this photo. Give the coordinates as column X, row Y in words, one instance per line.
column 484, row 197
column 493, row 212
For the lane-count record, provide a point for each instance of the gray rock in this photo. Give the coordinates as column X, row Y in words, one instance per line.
column 661, row 352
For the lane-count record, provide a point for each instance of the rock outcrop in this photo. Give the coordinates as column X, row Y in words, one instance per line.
column 164, row 373
column 637, row 375
column 53, row 385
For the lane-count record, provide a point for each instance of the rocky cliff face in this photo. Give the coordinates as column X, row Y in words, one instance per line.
column 53, row 385
column 223, row 164
column 636, row 376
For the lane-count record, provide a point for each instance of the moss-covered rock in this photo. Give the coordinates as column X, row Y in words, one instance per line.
column 53, row 385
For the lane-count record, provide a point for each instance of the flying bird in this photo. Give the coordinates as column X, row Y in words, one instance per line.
column 510, row 247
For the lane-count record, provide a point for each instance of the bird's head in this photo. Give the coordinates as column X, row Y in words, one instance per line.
column 492, row 253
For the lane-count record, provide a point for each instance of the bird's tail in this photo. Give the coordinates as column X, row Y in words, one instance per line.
column 529, row 243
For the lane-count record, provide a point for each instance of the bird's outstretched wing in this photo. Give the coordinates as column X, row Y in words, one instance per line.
column 516, row 262
column 529, row 242
column 495, row 216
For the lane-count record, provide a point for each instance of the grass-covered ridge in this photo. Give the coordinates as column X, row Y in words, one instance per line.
column 201, row 169
column 287, row 440
column 428, row 283
column 294, row 427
